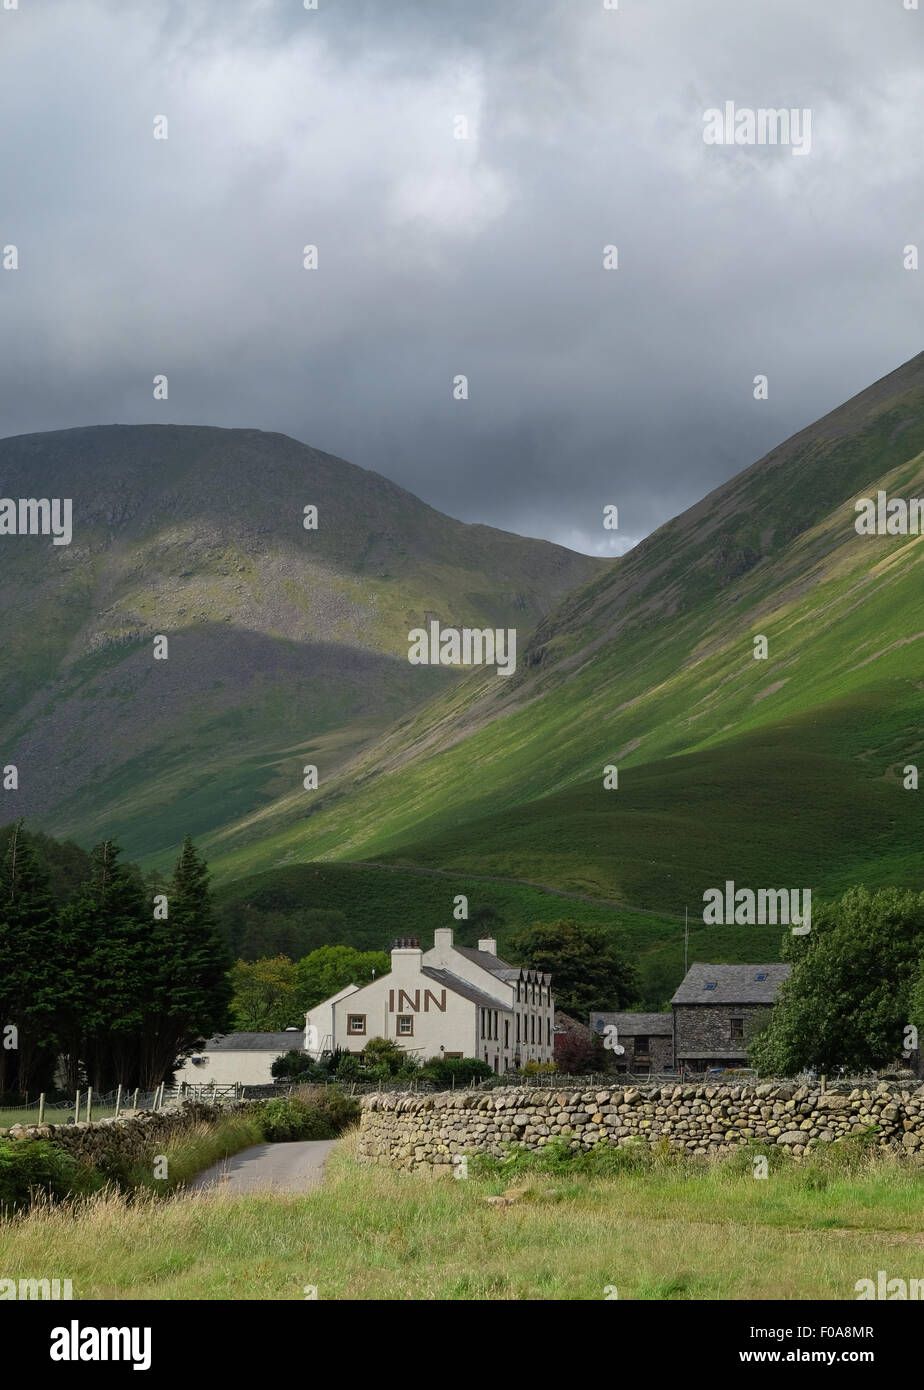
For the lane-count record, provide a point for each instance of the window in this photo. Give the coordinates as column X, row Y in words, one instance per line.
column 762, row 976
column 548, row 1031
column 518, row 1027
column 506, row 1032
column 356, row 1023
column 736, row 1029
column 495, row 1023
column 641, row 1045
column 405, row 1025
column 532, row 1027
column 710, row 984
column 483, row 1012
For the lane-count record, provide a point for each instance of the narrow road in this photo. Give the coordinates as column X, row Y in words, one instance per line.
column 291, row 1167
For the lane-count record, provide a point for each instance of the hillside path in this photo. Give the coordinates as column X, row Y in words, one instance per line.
column 285, row 1167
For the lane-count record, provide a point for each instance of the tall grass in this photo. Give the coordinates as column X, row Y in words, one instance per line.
column 655, row 1227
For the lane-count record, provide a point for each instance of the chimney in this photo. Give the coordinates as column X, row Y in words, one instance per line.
column 406, row 956
column 488, row 944
column 442, row 942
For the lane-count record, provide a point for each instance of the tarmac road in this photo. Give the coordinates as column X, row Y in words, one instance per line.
column 286, row 1167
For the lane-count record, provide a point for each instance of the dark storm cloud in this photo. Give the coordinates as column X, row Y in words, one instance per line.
column 441, row 256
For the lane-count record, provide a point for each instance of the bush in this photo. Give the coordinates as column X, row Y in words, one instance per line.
column 290, row 1065
column 349, row 1068
column 464, row 1070
column 340, row 1111
column 383, row 1058
column 309, row 1115
column 35, row 1165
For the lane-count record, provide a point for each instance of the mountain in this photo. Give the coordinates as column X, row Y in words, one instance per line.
column 779, row 771
column 286, row 646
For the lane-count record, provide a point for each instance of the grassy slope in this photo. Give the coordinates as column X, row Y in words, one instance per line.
column 793, row 763
column 287, row 646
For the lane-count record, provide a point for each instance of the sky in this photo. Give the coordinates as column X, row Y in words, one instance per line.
column 472, row 247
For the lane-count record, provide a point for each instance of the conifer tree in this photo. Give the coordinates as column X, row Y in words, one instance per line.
column 191, row 993
column 107, row 933
column 29, row 965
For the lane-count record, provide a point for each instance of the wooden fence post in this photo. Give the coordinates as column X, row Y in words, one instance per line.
column 135, row 1106
column 77, row 1108
column 41, row 1107
column 89, row 1104
column 118, row 1106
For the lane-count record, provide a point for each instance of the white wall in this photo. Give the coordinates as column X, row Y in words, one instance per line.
column 439, row 1016
column 249, row 1068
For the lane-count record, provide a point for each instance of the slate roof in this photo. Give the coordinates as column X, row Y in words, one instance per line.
column 467, row 991
column 734, row 984
column 502, row 968
column 650, row 1025
column 486, row 960
column 257, row 1042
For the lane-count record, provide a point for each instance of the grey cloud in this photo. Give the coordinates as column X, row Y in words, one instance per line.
column 481, row 257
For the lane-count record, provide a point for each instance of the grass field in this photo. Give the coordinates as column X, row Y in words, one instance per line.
column 669, row 1229
column 29, row 1115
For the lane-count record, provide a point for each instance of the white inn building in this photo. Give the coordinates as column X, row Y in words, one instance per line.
column 450, row 1001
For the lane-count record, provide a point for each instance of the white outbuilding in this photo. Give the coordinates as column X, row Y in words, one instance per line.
column 246, row 1058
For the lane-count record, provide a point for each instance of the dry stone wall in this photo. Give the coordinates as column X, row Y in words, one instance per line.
column 127, row 1139
column 421, row 1131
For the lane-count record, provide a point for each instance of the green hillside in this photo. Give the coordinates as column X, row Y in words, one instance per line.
column 787, row 768
column 290, row 647
column 287, row 645
column 380, row 903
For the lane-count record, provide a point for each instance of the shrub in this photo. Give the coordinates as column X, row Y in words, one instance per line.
column 309, row 1115
column 464, row 1070
column 349, row 1068
column 340, row 1111
column 291, row 1064
column 383, row 1058
column 34, row 1165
